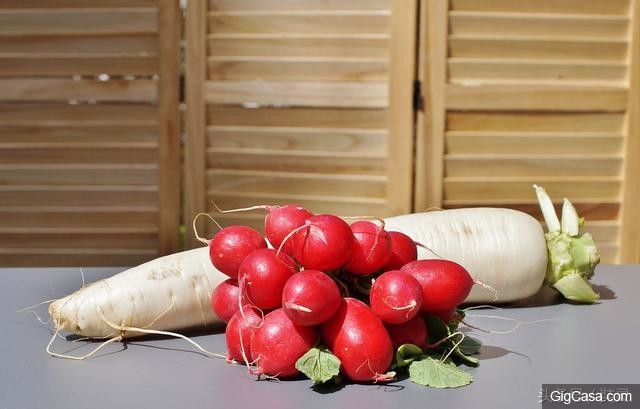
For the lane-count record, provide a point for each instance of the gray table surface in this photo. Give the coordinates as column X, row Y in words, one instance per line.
column 577, row 344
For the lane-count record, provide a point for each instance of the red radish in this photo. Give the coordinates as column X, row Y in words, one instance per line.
column 279, row 343
column 310, row 297
column 324, row 243
column 403, row 251
column 231, row 245
column 263, row 274
column 445, row 284
column 371, row 248
column 396, row 297
column 240, row 332
column 282, row 220
column 359, row 339
column 413, row 332
column 224, row 299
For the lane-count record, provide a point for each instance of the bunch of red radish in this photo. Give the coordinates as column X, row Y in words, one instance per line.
column 357, row 289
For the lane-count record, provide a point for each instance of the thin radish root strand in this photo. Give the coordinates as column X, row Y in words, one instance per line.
column 195, row 229
column 517, row 325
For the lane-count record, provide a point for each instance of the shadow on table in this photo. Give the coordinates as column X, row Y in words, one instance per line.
column 493, row 352
column 547, row 296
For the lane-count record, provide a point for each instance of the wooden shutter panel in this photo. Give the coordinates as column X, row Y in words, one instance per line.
column 523, row 92
column 288, row 102
column 89, row 143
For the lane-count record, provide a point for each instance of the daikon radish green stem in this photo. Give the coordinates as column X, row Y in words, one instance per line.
column 572, row 256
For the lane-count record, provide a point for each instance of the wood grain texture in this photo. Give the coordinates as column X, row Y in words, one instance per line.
column 535, row 121
column 169, row 178
column 525, row 164
column 16, row 90
column 485, row 70
column 316, row 21
column 232, row 5
column 195, row 118
column 630, row 214
column 34, row 66
column 297, row 68
column 295, row 117
column 78, row 21
column 401, row 116
column 60, row 45
column 488, row 46
column 293, row 94
column 88, row 131
column 299, row 45
column 614, row 7
column 431, row 124
column 536, row 98
column 542, row 25
column 356, row 140
column 505, row 142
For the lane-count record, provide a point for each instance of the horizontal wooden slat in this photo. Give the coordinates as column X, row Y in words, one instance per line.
column 77, row 238
column 534, row 166
column 609, row 252
column 326, row 139
column 78, row 175
column 532, row 47
column 25, row 155
column 39, row 4
column 299, row 45
column 603, row 230
column 75, row 257
column 311, row 94
column 109, row 134
column 536, row 97
column 78, row 21
column 506, row 188
column 32, row 89
column 468, row 142
column 478, row 69
column 541, row 25
column 54, row 45
column 545, row 6
column 298, row 69
column 34, row 65
column 60, row 218
column 28, row 195
column 296, row 117
column 297, row 4
column 338, row 205
column 317, row 21
column 78, row 115
column 598, row 210
column 295, row 161
column 535, row 121
column 292, row 183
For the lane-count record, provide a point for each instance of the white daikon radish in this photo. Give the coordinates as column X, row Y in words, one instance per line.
column 169, row 293
column 507, row 249
column 503, row 248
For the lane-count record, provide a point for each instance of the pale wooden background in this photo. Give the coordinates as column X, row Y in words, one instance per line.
column 89, row 120
column 307, row 101
column 523, row 92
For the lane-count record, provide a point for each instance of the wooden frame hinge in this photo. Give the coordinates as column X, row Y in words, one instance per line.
column 418, row 102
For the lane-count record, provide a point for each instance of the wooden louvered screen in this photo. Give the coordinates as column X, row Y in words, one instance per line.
column 288, row 102
column 89, row 148
column 523, row 92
